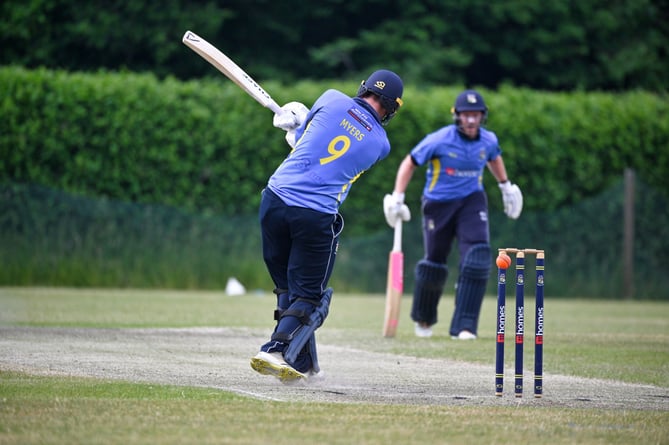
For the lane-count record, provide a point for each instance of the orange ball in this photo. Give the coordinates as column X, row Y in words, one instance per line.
column 503, row 261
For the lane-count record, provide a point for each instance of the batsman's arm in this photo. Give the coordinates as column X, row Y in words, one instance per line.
column 404, row 174
column 498, row 170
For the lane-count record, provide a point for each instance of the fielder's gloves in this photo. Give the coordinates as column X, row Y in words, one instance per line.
column 512, row 199
column 394, row 209
column 290, row 116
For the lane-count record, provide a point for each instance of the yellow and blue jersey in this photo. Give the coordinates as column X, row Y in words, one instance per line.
column 340, row 139
column 455, row 164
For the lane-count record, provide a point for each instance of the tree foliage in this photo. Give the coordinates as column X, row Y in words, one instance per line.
column 562, row 45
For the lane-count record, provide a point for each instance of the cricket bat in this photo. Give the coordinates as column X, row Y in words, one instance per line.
column 395, row 284
column 231, row 70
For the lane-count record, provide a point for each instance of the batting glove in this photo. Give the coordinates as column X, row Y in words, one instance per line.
column 291, row 136
column 394, row 209
column 290, row 116
column 512, row 199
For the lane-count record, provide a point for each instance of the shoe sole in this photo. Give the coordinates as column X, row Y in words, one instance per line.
column 455, row 337
column 285, row 374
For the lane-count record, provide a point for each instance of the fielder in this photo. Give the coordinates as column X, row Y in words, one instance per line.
column 454, row 207
column 333, row 144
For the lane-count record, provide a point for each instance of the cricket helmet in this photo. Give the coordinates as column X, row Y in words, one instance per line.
column 388, row 87
column 469, row 100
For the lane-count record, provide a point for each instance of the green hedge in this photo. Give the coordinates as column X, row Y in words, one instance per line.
column 127, row 136
column 206, row 146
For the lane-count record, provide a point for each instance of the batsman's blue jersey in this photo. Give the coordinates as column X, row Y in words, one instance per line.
column 455, row 163
column 339, row 140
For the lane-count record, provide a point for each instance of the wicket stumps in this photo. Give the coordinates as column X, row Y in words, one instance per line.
column 520, row 322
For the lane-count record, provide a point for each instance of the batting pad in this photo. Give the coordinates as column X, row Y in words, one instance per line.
column 294, row 353
column 472, row 284
column 430, row 279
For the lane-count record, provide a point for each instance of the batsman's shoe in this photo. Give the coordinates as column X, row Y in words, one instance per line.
column 464, row 335
column 272, row 363
column 311, row 378
column 423, row 330
column 315, row 377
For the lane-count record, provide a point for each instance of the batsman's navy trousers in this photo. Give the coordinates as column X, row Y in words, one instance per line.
column 465, row 219
column 299, row 246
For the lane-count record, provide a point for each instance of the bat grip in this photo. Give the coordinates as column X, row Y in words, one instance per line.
column 274, row 107
column 397, row 237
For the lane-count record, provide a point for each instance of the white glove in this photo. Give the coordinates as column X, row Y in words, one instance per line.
column 394, row 208
column 512, row 199
column 290, row 116
column 290, row 138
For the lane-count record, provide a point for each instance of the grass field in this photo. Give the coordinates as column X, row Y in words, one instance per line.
column 608, row 340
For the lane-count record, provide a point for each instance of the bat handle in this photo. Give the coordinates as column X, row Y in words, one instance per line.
column 397, row 238
column 274, row 107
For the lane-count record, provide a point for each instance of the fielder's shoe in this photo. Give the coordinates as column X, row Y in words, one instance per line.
column 272, row 363
column 464, row 335
column 423, row 330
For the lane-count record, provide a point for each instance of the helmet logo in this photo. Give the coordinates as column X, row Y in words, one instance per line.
column 380, row 84
column 471, row 98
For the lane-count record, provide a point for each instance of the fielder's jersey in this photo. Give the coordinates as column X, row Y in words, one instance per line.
column 339, row 140
column 455, row 163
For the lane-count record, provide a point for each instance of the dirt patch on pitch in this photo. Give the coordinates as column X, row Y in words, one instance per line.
column 219, row 358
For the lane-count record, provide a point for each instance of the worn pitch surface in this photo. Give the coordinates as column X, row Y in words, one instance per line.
column 219, row 358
